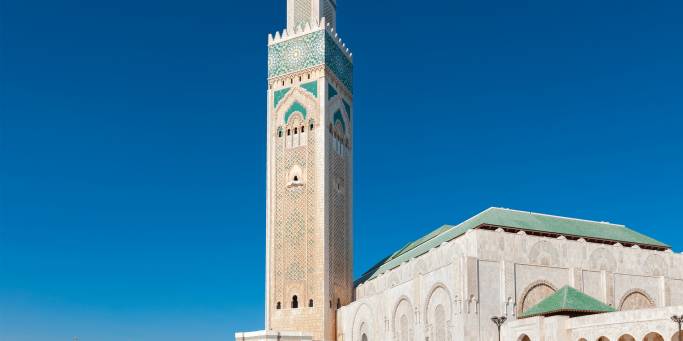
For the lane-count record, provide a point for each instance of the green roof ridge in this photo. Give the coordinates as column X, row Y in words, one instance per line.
column 568, row 300
column 522, row 220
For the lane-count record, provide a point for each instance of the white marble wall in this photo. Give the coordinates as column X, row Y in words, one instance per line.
column 486, row 273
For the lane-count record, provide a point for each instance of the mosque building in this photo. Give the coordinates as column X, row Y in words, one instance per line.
column 501, row 275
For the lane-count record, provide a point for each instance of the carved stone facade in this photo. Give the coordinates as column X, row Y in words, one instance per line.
column 309, row 178
column 456, row 287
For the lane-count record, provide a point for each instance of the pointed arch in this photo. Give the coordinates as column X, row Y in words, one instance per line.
column 305, row 101
column 438, row 312
column 362, row 323
column 533, row 294
column 338, row 118
column 636, row 299
column 403, row 320
column 296, row 107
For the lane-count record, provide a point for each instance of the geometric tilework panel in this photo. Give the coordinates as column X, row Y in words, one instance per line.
column 339, row 118
column 347, row 106
column 331, row 91
column 296, row 107
column 311, row 87
column 278, row 95
column 312, row 49
column 336, row 60
column 296, row 54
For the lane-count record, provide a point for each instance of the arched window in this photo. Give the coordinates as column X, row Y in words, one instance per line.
column 653, row 337
column 278, row 306
column 296, row 131
column 303, row 128
column 296, row 178
column 295, row 302
column 677, row 337
column 627, row 337
column 364, row 338
column 289, row 132
column 603, row 338
column 310, row 303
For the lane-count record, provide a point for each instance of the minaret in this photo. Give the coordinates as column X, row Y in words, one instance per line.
column 309, row 176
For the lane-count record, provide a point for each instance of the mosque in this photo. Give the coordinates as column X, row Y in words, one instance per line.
column 501, row 275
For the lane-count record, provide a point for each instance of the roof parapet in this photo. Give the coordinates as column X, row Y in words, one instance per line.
column 306, row 28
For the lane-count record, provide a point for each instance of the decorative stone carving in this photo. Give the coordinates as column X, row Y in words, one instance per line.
column 534, row 294
column 636, row 299
column 544, row 253
column 403, row 321
column 602, row 259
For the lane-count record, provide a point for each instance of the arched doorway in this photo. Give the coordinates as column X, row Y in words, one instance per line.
column 653, row 337
column 523, row 337
column 677, row 337
column 364, row 338
column 603, row 338
column 626, row 337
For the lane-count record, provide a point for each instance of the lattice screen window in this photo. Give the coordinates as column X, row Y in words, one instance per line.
column 302, row 11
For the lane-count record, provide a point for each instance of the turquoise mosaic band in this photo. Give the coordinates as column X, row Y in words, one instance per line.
column 313, row 49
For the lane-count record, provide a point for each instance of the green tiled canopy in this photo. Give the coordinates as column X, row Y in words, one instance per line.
column 517, row 220
column 567, row 301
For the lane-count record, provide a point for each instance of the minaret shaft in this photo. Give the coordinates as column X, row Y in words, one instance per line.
column 309, row 271
column 302, row 11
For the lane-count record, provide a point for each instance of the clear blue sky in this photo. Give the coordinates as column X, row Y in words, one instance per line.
column 132, row 157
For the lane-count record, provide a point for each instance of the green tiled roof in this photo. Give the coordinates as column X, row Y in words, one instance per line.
column 567, row 300
column 527, row 221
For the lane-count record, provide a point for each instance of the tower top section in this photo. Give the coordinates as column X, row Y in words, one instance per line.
column 299, row 12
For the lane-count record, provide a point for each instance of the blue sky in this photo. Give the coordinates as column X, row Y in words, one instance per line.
column 132, row 135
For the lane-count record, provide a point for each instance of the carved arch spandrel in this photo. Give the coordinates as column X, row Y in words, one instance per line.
column 602, row 259
column 439, row 313
column 533, row 294
column 363, row 324
column 403, row 321
column 655, row 265
column 303, row 97
column 544, row 253
column 636, row 299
